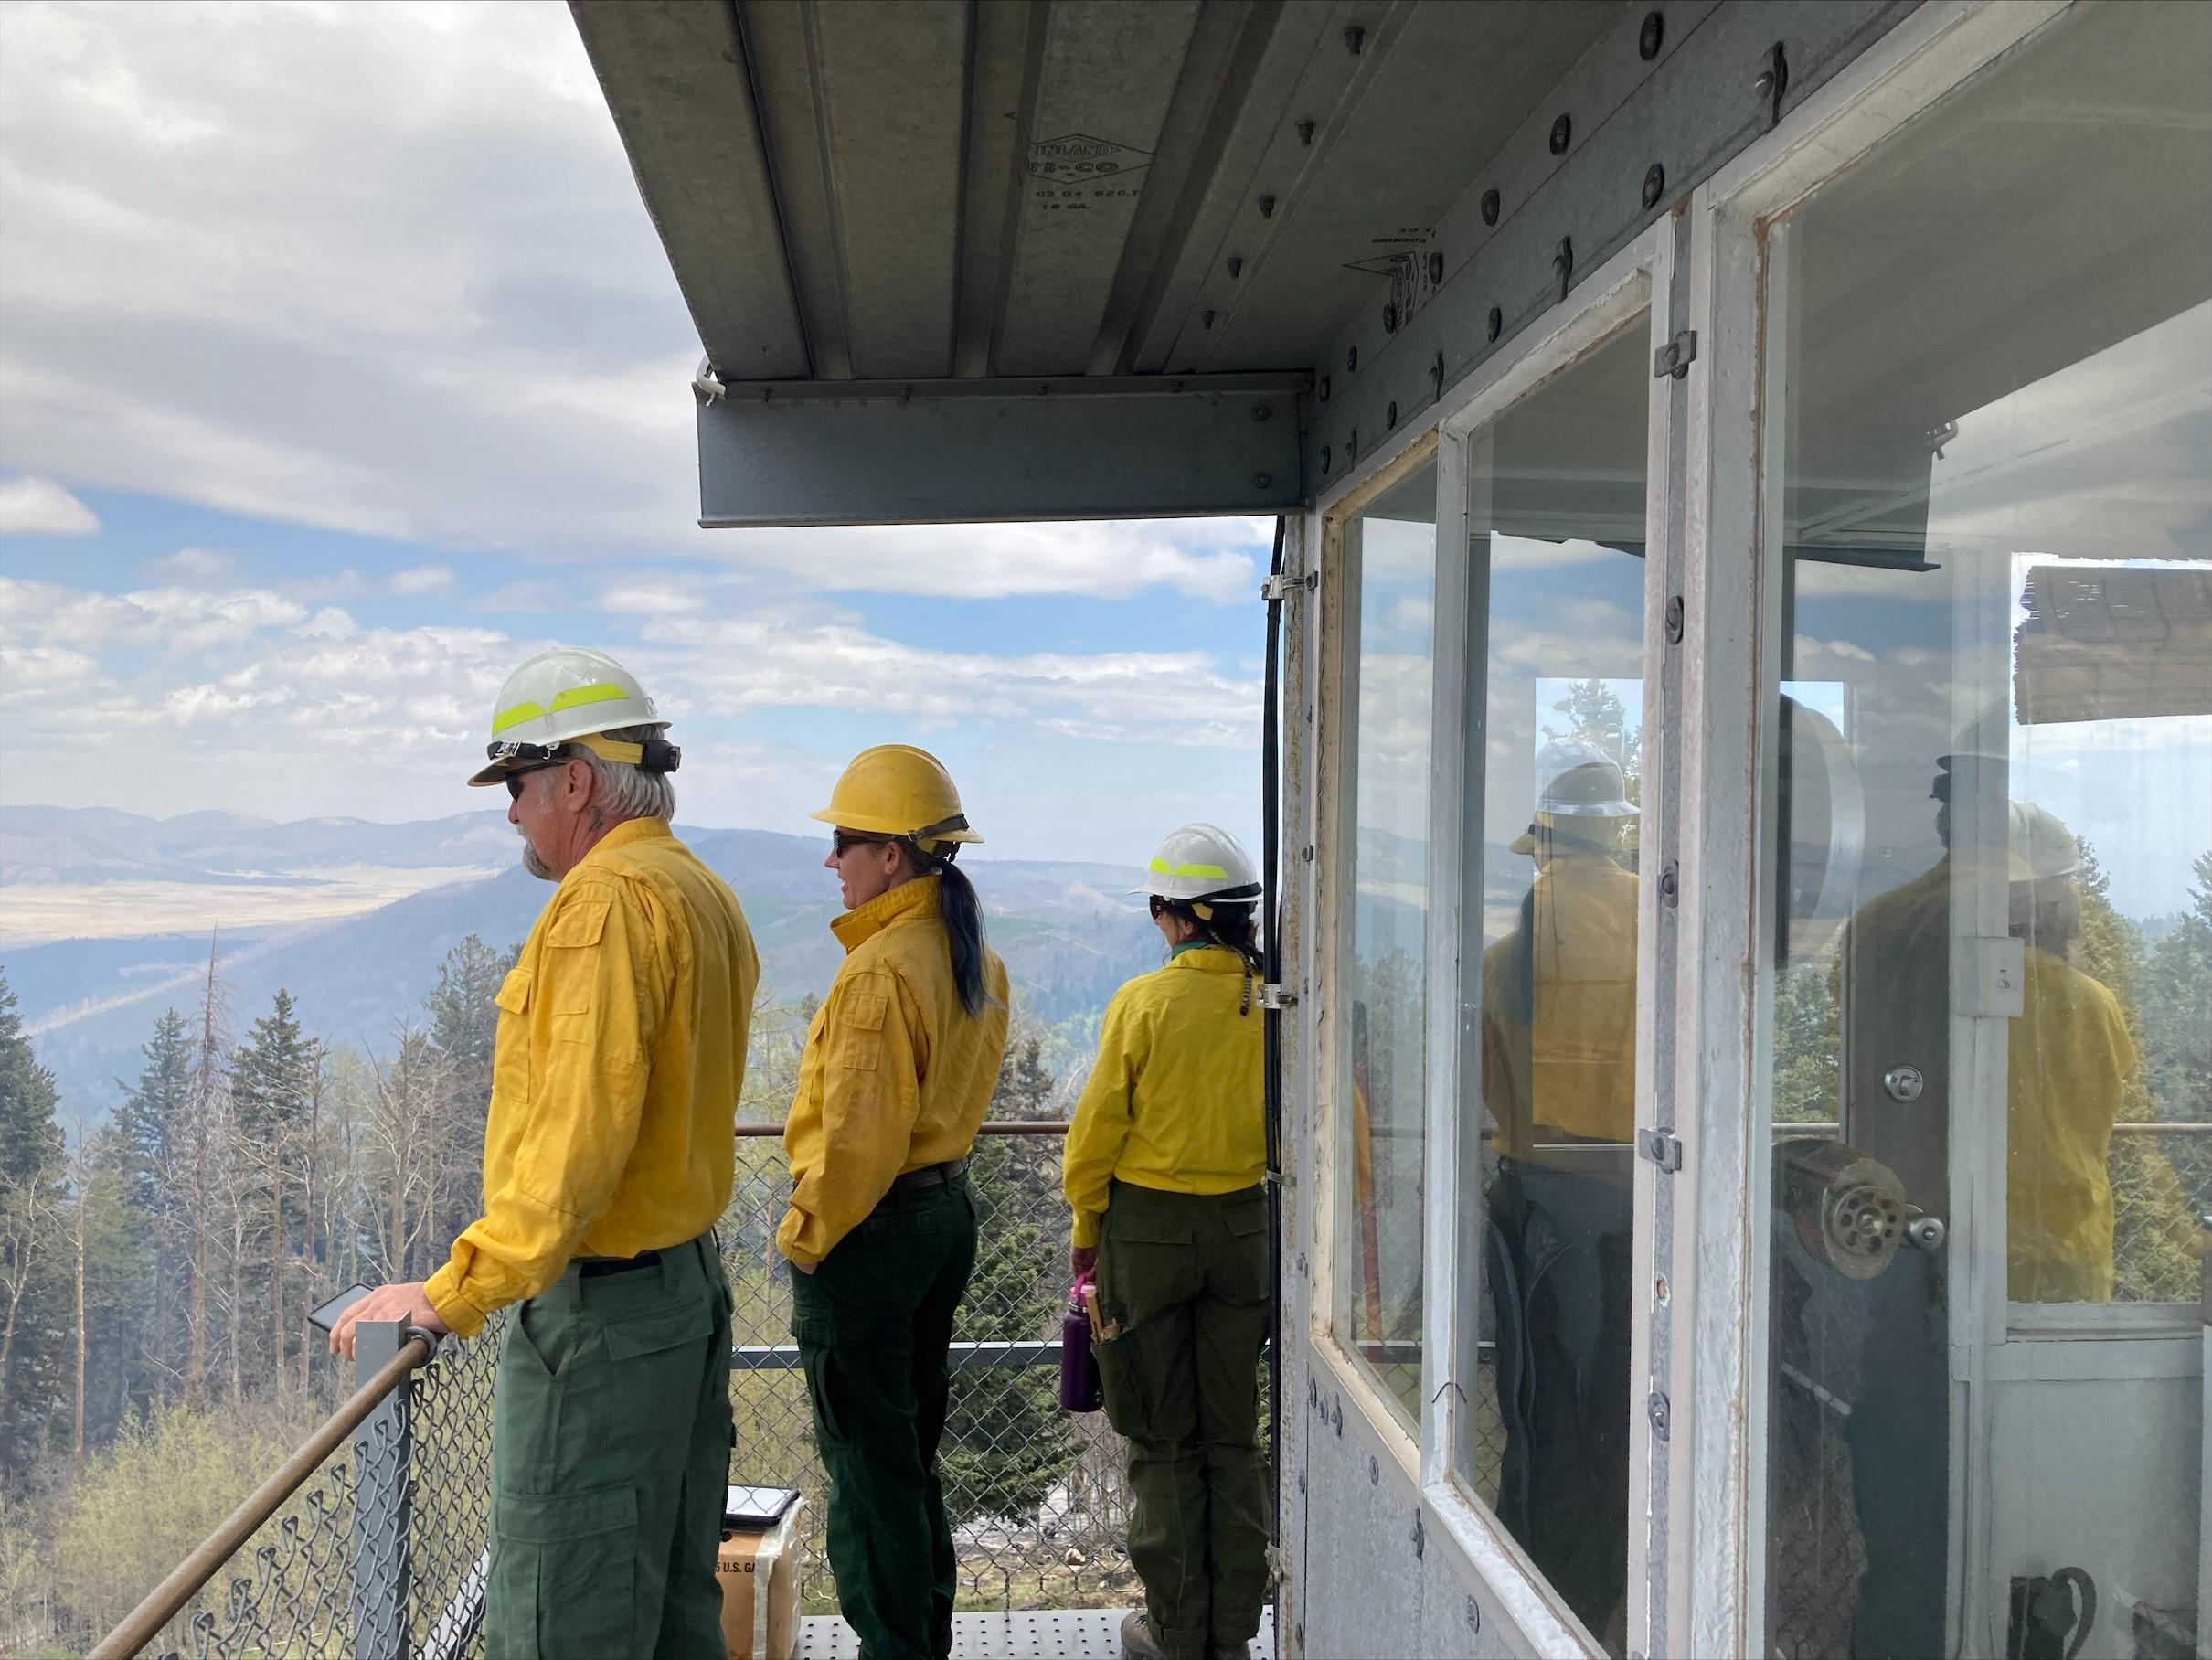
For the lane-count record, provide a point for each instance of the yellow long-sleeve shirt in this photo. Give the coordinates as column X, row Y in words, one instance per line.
column 1559, row 1011
column 615, row 1074
column 1175, row 1100
column 895, row 1075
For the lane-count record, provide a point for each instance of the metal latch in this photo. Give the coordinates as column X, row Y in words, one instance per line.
column 1662, row 1148
column 1676, row 356
column 1283, row 587
column 1277, row 997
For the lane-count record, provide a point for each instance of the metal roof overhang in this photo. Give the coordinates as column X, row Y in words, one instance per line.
column 960, row 260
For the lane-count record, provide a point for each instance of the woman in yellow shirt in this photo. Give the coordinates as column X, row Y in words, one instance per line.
column 1163, row 1171
column 897, row 1074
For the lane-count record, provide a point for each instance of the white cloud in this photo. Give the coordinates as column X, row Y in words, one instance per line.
column 205, row 567
column 384, row 268
column 38, row 506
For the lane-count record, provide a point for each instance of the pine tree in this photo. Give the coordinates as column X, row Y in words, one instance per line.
column 146, row 1153
column 272, row 1093
column 32, row 1321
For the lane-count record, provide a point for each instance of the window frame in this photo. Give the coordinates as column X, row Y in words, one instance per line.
column 1628, row 287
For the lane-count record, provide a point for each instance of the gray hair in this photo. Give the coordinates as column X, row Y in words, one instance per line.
column 625, row 790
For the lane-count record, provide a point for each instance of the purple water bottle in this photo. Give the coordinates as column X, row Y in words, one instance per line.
column 1080, row 1390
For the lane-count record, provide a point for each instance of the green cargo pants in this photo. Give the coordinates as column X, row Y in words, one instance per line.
column 611, row 1437
column 1186, row 1275
column 873, row 1323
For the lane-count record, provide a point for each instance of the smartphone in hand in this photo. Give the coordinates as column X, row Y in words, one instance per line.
column 325, row 1317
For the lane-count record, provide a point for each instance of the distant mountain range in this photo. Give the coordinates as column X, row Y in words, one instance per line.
column 1070, row 933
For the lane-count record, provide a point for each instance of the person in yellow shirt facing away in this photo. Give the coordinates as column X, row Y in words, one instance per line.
column 1163, row 1170
column 1559, row 996
column 607, row 1153
column 897, row 1071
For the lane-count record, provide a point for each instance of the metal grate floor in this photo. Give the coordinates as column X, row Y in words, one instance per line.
column 1056, row 1635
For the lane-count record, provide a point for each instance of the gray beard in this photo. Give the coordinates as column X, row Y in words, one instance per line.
column 535, row 865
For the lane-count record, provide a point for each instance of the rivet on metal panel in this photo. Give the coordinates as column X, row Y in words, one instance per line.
column 1351, row 361
column 1436, row 376
column 1302, row 1481
column 1673, row 619
column 1306, row 853
column 1655, row 185
column 1324, row 388
column 1312, row 1391
column 1655, row 1409
column 1436, row 267
column 1670, row 884
column 1661, row 1293
column 1305, row 133
column 1563, row 264
column 1562, row 133
column 1373, row 1471
column 1267, row 207
column 1497, row 322
column 1298, row 1633
column 1355, row 38
column 1773, row 82
column 1263, row 481
column 1389, row 319
column 1474, row 1615
column 1325, row 458
column 1651, row 36
column 1420, row 1534
column 1390, row 417
column 1236, row 267
column 1336, row 1417
column 1261, row 412
column 1490, row 207
column 1302, row 1265
column 1206, row 319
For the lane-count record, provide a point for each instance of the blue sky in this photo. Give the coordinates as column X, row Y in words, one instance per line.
column 340, row 369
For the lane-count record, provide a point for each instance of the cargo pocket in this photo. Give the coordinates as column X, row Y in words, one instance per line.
column 1244, row 1278
column 564, row 1576
column 829, row 1394
column 1121, row 1381
column 860, row 1031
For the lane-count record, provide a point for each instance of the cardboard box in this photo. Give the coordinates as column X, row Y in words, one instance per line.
column 759, row 1573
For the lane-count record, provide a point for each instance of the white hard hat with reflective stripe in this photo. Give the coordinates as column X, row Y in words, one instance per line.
column 1201, row 862
column 2040, row 847
column 560, row 696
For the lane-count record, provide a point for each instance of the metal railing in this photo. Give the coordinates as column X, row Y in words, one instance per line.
column 371, row 1542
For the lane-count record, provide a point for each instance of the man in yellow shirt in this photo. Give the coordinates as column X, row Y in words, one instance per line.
column 608, row 1156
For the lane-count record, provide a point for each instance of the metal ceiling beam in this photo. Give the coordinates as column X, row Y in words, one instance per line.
column 948, row 451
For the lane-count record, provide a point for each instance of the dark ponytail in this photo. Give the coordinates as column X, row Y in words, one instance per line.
column 964, row 919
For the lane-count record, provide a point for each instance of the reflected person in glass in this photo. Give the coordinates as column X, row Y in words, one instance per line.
column 1558, row 998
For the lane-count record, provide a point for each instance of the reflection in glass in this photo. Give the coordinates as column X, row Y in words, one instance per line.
column 1556, row 513
column 1989, row 545
column 1378, row 1308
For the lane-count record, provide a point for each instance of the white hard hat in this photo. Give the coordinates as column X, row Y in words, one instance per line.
column 565, row 695
column 2040, row 847
column 1202, row 863
column 1576, row 778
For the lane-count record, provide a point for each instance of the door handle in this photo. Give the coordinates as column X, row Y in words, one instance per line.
column 1923, row 1231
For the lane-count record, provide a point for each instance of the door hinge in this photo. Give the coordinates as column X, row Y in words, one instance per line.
column 1286, row 586
column 1676, row 356
column 1279, row 1564
column 1277, row 997
column 1662, row 1148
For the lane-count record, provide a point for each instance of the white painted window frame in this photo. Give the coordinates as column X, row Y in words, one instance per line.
column 1721, row 726
column 1516, row 1601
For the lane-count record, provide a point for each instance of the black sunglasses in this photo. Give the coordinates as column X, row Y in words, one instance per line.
column 514, row 779
column 841, row 840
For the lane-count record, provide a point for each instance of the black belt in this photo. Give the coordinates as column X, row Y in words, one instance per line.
column 594, row 1268
column 930, row 1176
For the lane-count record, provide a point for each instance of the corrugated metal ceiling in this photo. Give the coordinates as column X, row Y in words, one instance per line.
column 1013, row 189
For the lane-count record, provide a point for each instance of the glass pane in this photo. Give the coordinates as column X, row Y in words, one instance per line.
column 1556, row 517
column 1379, row 1209
column 1989, row 483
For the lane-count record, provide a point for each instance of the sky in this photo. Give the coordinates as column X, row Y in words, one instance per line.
column 341, row 369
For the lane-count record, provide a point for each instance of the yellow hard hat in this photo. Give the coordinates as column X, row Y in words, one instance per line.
column 896, row 788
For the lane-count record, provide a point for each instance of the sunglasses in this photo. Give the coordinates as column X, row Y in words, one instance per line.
column 513, row 779
column 842, row 841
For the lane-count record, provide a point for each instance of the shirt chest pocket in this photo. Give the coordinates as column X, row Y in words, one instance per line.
column 859, row 1041
column 511, row 1045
